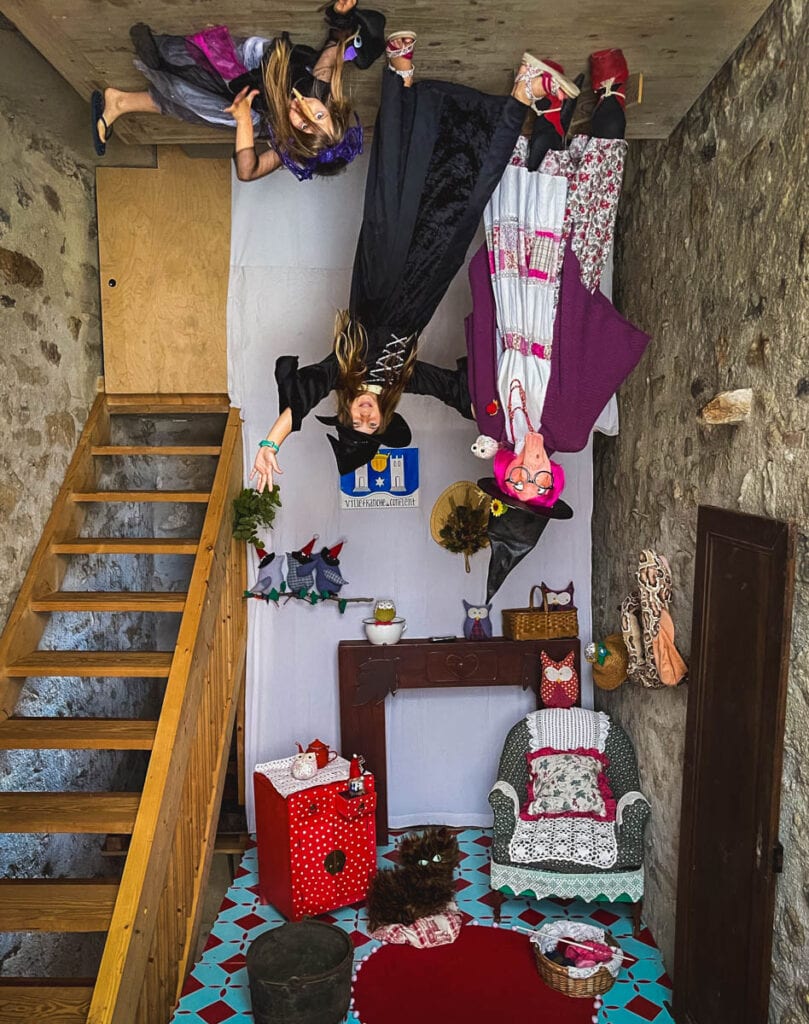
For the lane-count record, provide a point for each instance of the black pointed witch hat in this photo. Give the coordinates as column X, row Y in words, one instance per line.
column 514, row 533
column 353, row 449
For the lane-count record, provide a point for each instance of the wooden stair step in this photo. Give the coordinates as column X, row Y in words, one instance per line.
column 110, row 601
column 155, row 449
column 126, row 546
column 77, row 734
column 86, row 813
column 154, row 664
column 155, row 405
column 45, row 1000
column 57, row 905
column 199, row 497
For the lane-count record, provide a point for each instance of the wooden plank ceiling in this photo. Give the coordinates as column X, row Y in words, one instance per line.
column 678, row 44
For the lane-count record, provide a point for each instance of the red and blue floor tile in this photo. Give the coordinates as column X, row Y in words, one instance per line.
column 217, row 992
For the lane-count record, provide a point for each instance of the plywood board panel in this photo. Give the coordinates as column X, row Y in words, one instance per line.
column 678, row 44
column 164, row 251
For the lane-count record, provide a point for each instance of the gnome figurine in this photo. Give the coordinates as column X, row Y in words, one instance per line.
column 301, row 568
column 270, row 583
column 328, row 578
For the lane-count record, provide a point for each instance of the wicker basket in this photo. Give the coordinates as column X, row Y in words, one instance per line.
column 557, row 977
column 538, row 623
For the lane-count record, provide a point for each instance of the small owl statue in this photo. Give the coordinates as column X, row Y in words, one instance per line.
column 485, row 447
column 477, row 624
column 384, row 611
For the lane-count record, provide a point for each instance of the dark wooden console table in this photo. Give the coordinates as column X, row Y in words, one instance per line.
column 368, row 674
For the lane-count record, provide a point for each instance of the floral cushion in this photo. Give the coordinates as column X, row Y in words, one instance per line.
column 568, row 783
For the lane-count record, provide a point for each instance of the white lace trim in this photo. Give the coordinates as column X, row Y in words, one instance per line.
column 568, row 729
column 611, row 885
column 578, row 840
column 628, row 798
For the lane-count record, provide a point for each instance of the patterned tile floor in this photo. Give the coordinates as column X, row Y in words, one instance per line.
column 216, row 990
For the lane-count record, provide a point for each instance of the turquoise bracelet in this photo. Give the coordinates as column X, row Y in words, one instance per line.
column 269, row 444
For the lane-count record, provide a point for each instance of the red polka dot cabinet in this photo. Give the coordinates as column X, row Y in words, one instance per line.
column 316, row 844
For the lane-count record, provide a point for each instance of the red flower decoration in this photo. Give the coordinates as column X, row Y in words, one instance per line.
column 493, row 407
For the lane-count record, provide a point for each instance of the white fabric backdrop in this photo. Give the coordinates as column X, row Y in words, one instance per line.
column 291, row 253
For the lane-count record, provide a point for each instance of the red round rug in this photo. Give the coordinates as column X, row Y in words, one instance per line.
column 486, row 975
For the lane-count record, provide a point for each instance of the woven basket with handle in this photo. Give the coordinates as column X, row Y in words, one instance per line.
column 556, row 976
column 538, row 623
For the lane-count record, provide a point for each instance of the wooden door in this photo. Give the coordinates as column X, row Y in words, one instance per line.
column 729, row 850
column 164, row 251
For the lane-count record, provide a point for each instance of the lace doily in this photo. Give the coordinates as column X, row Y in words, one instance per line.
column 279, row 774
column 577, row 840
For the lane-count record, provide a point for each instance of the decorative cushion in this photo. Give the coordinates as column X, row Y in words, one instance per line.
column 568, row 783
column 425, row 932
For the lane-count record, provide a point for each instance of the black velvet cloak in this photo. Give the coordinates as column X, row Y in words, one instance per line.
column 439, row 150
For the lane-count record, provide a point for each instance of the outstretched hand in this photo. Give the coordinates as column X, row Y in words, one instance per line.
column 344, row 6
column 263, row 468
column 242, row 103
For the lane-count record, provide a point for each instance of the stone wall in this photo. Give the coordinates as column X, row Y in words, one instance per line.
column 713, row 260
column 50, row 357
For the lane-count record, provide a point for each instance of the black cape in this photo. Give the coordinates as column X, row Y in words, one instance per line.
column 438, row 152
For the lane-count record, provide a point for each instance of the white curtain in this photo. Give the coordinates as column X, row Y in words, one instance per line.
column 292, row 247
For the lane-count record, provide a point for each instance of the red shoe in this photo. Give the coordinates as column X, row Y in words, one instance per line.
column 608, row 73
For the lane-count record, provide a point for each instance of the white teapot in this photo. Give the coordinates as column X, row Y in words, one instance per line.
column 304, row 766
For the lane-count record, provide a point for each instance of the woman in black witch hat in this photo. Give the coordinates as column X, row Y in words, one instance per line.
column 439, row 150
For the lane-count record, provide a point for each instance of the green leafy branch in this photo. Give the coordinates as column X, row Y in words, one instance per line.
column 253, row 511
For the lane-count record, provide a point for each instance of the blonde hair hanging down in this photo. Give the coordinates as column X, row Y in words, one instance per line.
column 299, row 145
column 350, row 349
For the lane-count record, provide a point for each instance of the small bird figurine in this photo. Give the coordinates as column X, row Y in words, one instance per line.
column 270, row 581
column 328, row 578
column 384, row 611
column 301, row 568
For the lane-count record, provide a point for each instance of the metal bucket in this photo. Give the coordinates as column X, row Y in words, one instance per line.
column 300, row 973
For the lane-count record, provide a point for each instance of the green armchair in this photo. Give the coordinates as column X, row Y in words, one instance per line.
column 596, row 861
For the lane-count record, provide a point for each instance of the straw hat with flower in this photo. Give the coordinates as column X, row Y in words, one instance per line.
column 459, row 520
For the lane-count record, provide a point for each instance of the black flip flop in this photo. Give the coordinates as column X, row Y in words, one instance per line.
column 97, row 112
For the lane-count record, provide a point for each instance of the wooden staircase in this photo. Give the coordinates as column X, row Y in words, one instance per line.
column 150, row 915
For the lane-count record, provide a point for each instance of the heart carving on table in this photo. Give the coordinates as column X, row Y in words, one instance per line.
column 463, row 665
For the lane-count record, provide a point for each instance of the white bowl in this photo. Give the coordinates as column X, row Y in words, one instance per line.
column 384, row 632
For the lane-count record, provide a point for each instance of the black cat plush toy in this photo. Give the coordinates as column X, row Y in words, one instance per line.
column 423, row 883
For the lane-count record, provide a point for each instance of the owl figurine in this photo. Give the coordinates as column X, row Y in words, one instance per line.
column 477, row 625
column 328, row 578
column 559, row 685
column 384, row 611
column 559, row 600
column 485, row 447
column 301, row 569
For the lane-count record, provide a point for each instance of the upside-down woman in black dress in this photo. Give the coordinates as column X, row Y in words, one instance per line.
column 439, row 150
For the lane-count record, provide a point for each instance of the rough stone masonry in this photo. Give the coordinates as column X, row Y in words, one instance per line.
column 713, row 261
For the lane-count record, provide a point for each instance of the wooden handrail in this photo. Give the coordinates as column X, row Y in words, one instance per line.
column 154, row 925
